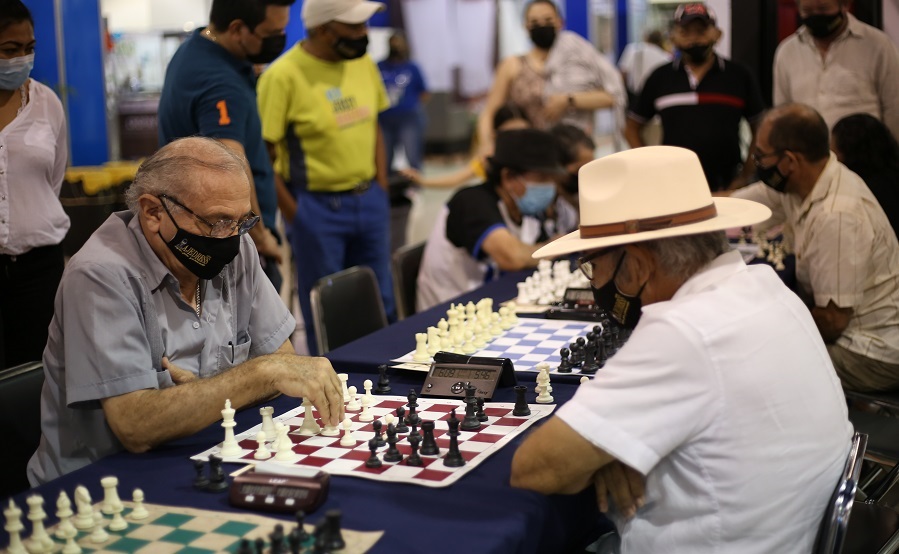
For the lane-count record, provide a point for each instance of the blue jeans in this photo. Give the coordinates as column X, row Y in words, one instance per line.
column 335, row 231
column 406, row 128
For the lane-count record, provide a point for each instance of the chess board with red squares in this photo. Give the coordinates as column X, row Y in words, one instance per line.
column 327, row 453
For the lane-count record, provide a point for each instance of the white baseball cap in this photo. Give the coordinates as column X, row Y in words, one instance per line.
column 319, row 12
column 649, row 193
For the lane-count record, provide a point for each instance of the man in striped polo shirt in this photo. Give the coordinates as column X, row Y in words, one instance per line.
column 701, row 98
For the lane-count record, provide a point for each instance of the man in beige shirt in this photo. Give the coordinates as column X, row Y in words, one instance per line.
column 847, row 255
column 838, row 65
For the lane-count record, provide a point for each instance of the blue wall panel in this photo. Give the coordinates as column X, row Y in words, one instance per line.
column 46, row 62
column 295, row 29
column 577, row 18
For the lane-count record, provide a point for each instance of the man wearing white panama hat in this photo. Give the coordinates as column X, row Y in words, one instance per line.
column 688, row 425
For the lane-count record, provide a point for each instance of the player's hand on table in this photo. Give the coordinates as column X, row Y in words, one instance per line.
column 624, row 484
column 179, row 376
column 315, row 379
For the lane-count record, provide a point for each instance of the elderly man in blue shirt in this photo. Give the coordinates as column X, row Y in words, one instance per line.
column 164, row 314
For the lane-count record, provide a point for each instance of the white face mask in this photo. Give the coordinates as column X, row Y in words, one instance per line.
column 15, row 71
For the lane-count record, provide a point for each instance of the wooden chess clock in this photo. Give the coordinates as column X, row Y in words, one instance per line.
column 276, row 488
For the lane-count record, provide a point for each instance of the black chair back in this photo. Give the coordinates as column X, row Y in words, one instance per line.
column 832, row 532
column 20, row 419
column 345, row 306
column 406, row 263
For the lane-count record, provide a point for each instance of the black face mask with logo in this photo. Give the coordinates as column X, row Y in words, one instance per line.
column 772, row 176
column 205, row 257
column 543, row 36
column 823, row 26
column 623, row 308
column 271, row 49
column 351, row 48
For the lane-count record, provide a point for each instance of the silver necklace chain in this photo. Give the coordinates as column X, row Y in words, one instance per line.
column 198, row 299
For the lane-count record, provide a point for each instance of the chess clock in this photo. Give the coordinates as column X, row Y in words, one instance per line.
column 576, row 304
column 284, row 489
column 451, row 373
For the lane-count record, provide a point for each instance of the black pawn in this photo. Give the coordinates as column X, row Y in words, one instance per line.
column 575, row 354
column 581, row 349
column 401, row 420
column 482, row 417
column 521, row 408
column 393, row 454
column 453, row 457
column 413, row 416
column 332, row 524
column 244, row 547
column 276, row 540
column 428, row 443
column 470, row 422
column 413, row 432
column 414, row 459
column 376, row 426
column 260, row 545
column 200, row 481
column 301, row 528
column 294, row 542
column 565, row 364
column 217, row 481
column 321, row 538
column 590, row 365
column 383, row 381
column 373, row 460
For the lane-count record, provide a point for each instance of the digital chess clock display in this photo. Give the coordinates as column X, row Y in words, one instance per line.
column 269, row 490
column 579, row 296
column 465, row 373
column 450, row 379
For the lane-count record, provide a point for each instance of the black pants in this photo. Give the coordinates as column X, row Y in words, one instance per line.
column 28, row 286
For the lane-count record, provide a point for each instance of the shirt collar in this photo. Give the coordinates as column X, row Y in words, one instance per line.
column 716, row 272
column 854, row 29
column 216, row 50
column 822, row 186
column 150, row 264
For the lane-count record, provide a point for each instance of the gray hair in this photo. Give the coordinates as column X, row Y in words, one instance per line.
column 168, row 170
column 681, row 257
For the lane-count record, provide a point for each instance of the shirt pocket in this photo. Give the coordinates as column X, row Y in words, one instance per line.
column 231, row 355
column 41, row 135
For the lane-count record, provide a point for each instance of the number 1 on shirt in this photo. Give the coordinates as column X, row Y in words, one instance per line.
column 223, row 113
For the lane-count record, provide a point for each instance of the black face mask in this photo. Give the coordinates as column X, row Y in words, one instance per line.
column 271, row 49
column 543, row 36
column 623, row 308
column 205, row 257
column 351, row 48
column 698, row 53
column 823, row 26
column 571, row 185
column 397, row 55
column 772, row 176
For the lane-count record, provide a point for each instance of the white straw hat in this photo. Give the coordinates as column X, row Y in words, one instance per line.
column 319, row 12
column 645, row 194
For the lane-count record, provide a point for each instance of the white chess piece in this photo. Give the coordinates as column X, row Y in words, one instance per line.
column 40, row 540
column 99, row 534
column 268, row 424
column 513, row 313
column 585, row 379
column 262, row 451
column 353, row 405
column 347, row 439
column 84, row 518
column 545, row 388
column 284, row 446
column 330, row 430
column 310, row 427
column 71, row 547
column 14, row 527
column 139, row 511
column 433, row 341
column 366, row 413
column 368, row 399
column 118, row 522
column 446, row 344
column 110, row 494
column 65, row 529
column 469, row 347
column 421, row 348
column 481, row 335
column 443, row 328
column 496, row 328
column 230, row 448
column 505, row 322
column 344, row 377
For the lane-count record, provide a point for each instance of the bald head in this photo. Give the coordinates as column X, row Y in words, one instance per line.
column 177, row 169
column 797, row 128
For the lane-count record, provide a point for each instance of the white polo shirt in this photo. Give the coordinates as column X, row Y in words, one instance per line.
column 725, row 398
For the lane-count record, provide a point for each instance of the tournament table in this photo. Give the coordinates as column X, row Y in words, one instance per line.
column 480, row 513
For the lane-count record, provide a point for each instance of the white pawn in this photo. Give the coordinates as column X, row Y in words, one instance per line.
column 347, row 439
column 446, row 344
column 330, row 430
column 513, row 313
column 262, row 451
column 230, row 448
column 366, row 413
column 505, row 321
column 84, row 519
column 421, row 348
column 284, row 446
column 344, row 377
column 368, row 399
column 433, row 341
column 14, row 527
column 139, row 511
column 65, row 529
column 481, row 335
column 496, row 328
column 110, row 494
column 268, row 424
column 40, row 540
column 469, row 347
column 443, row 327
column 353, row 405
column 118, row 523
column 99, row 534
column 71, row 547
column 585, row 379
column 310, row 427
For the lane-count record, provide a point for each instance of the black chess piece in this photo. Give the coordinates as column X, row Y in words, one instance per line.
column 590, row 366
column 276, row 540
column 301, row 528
column 428, row 443
column 260, row 545
column 453, row 457
column 482, row 417
column 393, row 454
column 376, row 426
column 414, row 459
column 413, row 406
column 322, row 538
column 521, row 408
column 413, row 432
column 565, row 364
column 294, row 542
column 217, row 480
column 401, row 420
column 470, row 422
column 575, row 354
column 383, row 381
column 200, row 481
column 601, row 354
column 373, row 460
column 332, row 524
column 244, row 547
column 581, row 349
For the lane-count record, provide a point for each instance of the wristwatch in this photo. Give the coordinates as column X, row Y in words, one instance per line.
column 571, row 101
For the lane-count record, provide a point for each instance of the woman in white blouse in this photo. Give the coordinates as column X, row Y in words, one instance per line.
column 33, row 156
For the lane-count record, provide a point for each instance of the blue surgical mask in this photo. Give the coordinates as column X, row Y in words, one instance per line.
column 15, row 71
column 537, row 197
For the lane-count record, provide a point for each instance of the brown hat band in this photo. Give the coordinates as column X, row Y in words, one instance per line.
column 649, row 224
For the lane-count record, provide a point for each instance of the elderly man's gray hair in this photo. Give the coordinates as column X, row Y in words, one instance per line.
column 681, row 257
column 169, row 170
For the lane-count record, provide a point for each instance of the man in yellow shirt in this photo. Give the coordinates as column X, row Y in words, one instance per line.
column 319, row 105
